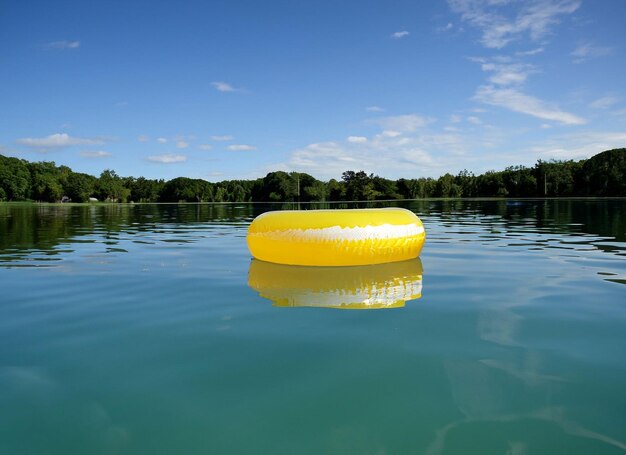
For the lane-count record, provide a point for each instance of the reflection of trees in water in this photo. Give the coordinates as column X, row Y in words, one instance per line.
column 26, row 228
column 32, row 227
column 601, row 217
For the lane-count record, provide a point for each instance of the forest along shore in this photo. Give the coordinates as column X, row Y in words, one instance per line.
column 601, row 175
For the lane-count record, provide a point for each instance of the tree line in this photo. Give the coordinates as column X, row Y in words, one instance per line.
column 601, row 175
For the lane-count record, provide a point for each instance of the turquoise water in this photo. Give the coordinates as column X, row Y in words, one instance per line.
column 135, row 330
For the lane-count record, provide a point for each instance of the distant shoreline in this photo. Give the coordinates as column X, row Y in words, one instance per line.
column 484, row 198
column 603, row 175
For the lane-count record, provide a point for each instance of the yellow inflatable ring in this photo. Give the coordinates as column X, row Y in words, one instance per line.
column 336, row 237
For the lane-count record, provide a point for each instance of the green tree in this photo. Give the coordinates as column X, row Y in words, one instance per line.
column 80, row 187
column 466, row 181
column 45, row 182
column 336, row 190
column 316, row 191
column 446, row 187
column 145, row 190
column 14, row 178
column 491, row 183
column 359, row 186
column 183, row 189
column 277, row 186
column 605, row 173
column 110, row 187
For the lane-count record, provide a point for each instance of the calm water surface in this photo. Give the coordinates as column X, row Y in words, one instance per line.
column 147, row 329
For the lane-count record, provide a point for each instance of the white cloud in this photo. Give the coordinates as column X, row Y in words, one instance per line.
column 580, row 145
column 430, row 152
column 517, row 101
column 588, row 51
column 391, row 133
column 65, row 44
column 94, row 154
column 167, row 158
column 500, row 26
column 383, row 155
column 357, row 139
column 604, row 103
column 241, row 148
column 58, row 140
column 404, row 123
column 536, row 51
column 474, row 120
column 142, row 138
column 507, row 73
column 419, row 154
column 374, row 109
column 619, row 112
column 205, row 146
column 222, row 138
column 182, row 144
column 454, row 118
column 161, row 140
column 445, row 28
column 325, row 159
column 224, row 87
column 400, row 35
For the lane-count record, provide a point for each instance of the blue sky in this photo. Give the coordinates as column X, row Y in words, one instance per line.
column 236, row 89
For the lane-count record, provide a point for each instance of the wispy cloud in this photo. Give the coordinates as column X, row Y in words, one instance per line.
column 58, row 140
column 619, row 113
column 241, row 148
column 423, row 153
column 390, row 133
column 404, row 123
column 516, row 101
column 182, row 144
column 94, row 154
column 400, row 35
column 143, row 138
column 445, row 28
column 587, row 51
column 531, row 52
column 507, row 73
column 374, row 109
column 161, row 140
column 224, row 87
column 222, row 138
column 65, row 44
column 167, row 158
column 205, row 146
column 430, row 152
column 357, row 139
column 500, row 22
column 582, row 144
column 384, row 155
column 605, row 102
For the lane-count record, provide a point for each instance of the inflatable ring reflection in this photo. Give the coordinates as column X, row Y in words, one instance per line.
column 358, row 287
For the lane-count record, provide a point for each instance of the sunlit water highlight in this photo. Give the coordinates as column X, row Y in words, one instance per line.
column 147, row 329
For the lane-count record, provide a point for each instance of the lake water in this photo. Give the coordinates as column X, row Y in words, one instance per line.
column 147, row 329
